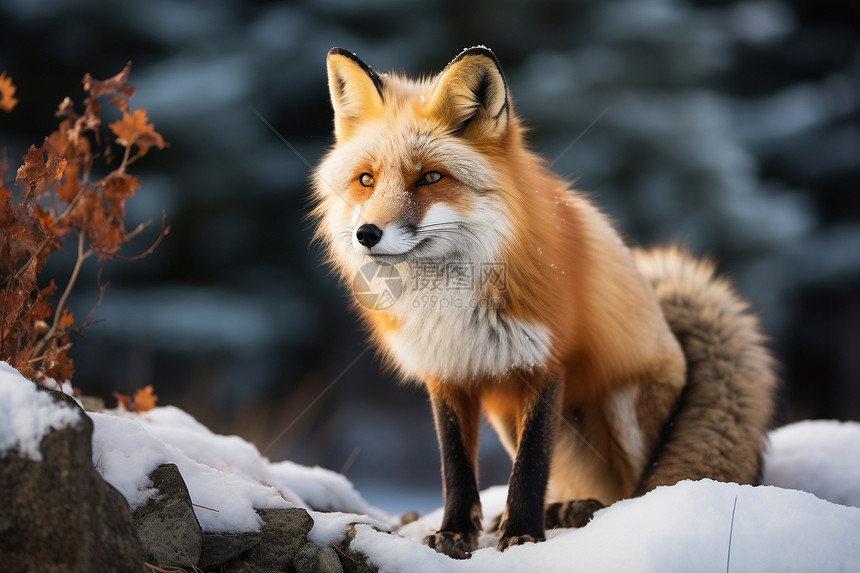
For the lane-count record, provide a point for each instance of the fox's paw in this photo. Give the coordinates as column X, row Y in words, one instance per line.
column 454, row 545
column 514, row 540
column 575, row 513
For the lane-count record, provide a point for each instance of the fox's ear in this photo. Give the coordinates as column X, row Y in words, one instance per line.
column 471, row 95
column 356, row 91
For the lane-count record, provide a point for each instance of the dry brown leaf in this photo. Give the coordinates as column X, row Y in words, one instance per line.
column 7, row 93
column 70, row 187
column 116, row 84
column 144, row 399
column 67, row 319
column 34, row 169
column 37, row 173
column 133, row 129
column 45, row 219
column 117, row 188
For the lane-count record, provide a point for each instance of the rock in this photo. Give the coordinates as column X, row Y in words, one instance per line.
column 58, row 514
column 313, row 558
column 239, row 565
column 284, row 531
column 219, row 548
column 353, row 561
column 166, row 524
column 92, row 403
column 409, row 517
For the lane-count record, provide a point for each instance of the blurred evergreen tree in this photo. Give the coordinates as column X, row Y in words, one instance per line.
column 730, row 126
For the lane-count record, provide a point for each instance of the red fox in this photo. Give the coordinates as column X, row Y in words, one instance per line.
column 605, row 372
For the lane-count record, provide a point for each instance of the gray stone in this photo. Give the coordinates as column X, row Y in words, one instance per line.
column 219, row 548
column 239, row 565
column 313, row 558
column 350, row 560
column 58, row 514
column 284, row 531
column 92, row 403
column 166, row 524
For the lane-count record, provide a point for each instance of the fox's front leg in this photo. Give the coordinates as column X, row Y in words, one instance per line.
column 456, row 414
column 523, row 519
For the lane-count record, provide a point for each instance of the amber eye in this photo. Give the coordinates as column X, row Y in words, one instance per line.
column 430, row 178
column 366, row 179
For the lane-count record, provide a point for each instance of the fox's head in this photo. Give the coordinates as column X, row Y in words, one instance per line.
column 419, row 167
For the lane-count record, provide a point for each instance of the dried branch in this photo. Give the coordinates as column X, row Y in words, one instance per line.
column 58, row 200
column 165, row 230
column 61, row 305
column 89, row 320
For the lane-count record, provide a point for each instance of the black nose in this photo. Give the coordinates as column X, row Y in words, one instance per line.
column 368, row 235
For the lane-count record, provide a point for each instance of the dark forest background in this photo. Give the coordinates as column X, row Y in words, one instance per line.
column 732, row 127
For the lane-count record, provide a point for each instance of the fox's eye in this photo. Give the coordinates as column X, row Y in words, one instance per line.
column 430, row 178
column 366, row 179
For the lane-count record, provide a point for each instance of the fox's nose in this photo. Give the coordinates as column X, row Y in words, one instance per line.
column 368, row 235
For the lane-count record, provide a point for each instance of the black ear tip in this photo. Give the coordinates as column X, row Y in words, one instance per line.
column 478, row 51
column 483, row 51
column 341, row 52
column 351, row 56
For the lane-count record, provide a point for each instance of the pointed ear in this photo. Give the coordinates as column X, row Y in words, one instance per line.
column 356, row 92
column 471, row 95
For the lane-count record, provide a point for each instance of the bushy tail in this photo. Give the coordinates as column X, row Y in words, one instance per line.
column 719, row 427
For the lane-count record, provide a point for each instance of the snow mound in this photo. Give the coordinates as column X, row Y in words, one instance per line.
column 26, row 414
column 691, row 526
column 685, row 527
column 227, row 477
column 821, row 457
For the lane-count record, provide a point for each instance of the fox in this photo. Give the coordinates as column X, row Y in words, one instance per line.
column 605, row 371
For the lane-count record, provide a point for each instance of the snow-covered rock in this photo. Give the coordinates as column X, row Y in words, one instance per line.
column 27, row 415
column 227, row 477
column 702, row 525
column 56, row 513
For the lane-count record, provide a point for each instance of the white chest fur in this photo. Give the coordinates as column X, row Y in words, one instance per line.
column 456, row 336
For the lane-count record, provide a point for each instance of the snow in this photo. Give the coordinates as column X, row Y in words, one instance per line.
column 691, row 526
column 26, row 414
column 685, row 527
column 227, row 477
column 802, row 455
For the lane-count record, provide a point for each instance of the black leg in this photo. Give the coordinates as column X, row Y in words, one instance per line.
column 523, row 520
column 457, row 430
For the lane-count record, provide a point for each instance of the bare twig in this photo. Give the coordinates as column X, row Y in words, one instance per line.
column 342, row 552
column 169, row 569
column 731, row 532
column 58, row 315
column 125, row 156
column 89, row 320
column 165, row 230
column 350, row 460
column 37, row 359
column 204, row 507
